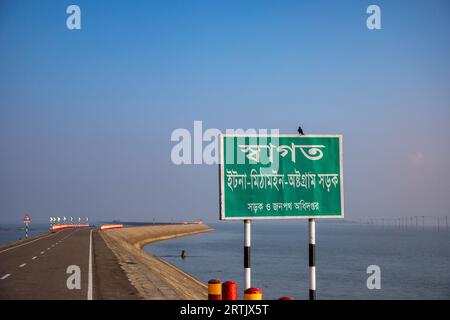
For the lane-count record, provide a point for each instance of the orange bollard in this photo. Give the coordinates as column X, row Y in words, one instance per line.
column 286, row 298
column 214, row 290
column 253, row 294
column 229, row 290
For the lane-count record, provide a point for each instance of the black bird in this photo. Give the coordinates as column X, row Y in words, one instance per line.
column 300, row 131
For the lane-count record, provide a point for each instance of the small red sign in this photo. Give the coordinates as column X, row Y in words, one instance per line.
column 26, row 218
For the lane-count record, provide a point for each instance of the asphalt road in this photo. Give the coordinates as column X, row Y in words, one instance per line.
column 38, row 268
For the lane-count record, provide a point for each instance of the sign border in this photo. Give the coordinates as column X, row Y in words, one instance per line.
column 222, row 185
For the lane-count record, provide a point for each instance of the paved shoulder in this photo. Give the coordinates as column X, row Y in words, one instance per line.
column 110, row 281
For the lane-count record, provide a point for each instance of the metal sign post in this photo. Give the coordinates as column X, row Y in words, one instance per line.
column 247, row 261
column 312, row 258
column 26, row 220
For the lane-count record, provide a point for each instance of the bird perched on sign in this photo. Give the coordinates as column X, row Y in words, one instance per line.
column 300, row 131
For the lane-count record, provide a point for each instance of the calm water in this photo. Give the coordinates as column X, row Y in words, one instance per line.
column 414, row 264
column 14, row 232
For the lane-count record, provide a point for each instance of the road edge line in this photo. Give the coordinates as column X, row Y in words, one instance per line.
column 89, row 289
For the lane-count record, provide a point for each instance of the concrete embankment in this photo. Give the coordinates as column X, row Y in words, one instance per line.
column 152, row 277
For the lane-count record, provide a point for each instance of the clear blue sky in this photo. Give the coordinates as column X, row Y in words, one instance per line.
column 86, row 115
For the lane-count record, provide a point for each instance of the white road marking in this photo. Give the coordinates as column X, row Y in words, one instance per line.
column 24, row 244
column 42, row 252
column 5, row 276
column 52, row 234
column 34, row 258
column 69, row 234
column 22, row 265
column 89, row 289
column 48, row 249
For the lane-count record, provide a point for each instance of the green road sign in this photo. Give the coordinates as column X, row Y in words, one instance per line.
column 281, row 177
